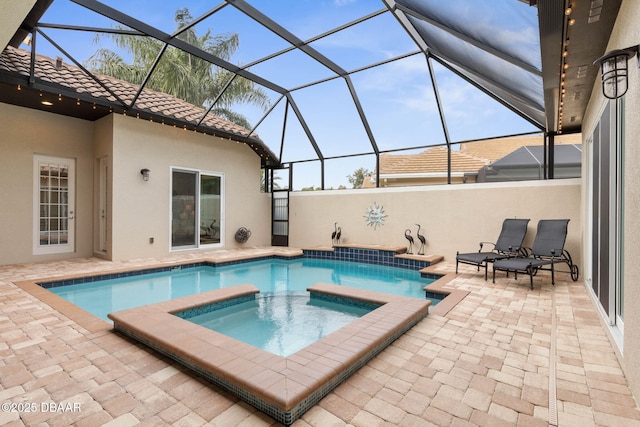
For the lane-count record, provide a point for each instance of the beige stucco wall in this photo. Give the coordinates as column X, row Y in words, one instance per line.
column 12, row 16
column 103, row 149
column 453, row 217
column 626, row 33
column 141, row 210
column 26, row 132
column 137, row 210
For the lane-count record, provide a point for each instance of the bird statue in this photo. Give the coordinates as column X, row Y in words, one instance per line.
column 333, row 235
column 409, row 237
column 422, row 241
column 338, row 235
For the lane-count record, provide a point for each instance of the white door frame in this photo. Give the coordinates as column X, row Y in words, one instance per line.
column 53, row 205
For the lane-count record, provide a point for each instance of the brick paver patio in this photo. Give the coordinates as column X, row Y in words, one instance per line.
column 504, row 355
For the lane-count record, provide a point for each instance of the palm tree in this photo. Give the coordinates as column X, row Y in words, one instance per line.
column 181, row 74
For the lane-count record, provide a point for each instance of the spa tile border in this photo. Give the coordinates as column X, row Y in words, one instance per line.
column 393, row 256
column 282, row 387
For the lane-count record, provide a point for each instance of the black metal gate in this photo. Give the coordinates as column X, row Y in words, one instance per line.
column 280, row 218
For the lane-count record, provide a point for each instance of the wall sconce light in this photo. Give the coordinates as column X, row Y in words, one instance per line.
column 614, row 67
column 145, row 174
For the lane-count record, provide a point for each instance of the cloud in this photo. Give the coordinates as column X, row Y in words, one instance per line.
column 341, row 3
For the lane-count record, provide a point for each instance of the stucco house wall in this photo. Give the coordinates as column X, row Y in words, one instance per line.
column 103, row 150
column 141, row 210
column 626, row 33
column 26, row 132
column 136, row 210
column 453, row 217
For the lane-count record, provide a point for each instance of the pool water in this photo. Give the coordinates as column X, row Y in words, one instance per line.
column 270, row 275
column 280, row 324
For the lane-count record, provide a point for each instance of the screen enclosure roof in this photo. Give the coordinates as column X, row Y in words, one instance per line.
column 313, row 81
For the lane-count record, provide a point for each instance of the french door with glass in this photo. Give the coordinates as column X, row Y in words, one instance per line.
column 54, row 205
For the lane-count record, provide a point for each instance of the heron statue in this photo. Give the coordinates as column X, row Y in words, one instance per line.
column 422, row 241
column 333, row 235
column 409, row 237
column 338, row 235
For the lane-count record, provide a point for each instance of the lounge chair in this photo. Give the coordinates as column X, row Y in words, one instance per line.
column 508, row 245
column 548, row 250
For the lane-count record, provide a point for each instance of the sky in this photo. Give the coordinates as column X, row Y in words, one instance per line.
column 397, row 98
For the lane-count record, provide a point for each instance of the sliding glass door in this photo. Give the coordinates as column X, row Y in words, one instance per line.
column 196, row 209
column 210, row 209
column 606, row 146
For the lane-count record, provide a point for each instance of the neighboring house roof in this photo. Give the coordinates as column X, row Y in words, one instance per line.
column 469, row 158
column 73, row 81
column 429, row 161
column 532, row 156
column 496, row 148
column 527, row 163
column 472, row 157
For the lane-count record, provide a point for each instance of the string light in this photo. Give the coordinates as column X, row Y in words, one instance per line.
column 258, row 149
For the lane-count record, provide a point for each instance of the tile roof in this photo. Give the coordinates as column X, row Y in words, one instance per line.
column 110, row 90
column 431, row 160
column 496, row 148
column 470, row 158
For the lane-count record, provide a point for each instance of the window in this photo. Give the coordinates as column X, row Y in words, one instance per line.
column 196, row 209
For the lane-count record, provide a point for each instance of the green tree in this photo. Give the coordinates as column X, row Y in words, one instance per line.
column 263, row 180
column 181, row 74
column 357, row 177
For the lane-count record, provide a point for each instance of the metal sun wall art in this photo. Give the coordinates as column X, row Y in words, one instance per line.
column 375, row 215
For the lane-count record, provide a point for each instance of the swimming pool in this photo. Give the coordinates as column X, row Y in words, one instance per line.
column 277, row 323
column 268, row 275
column 282, row 387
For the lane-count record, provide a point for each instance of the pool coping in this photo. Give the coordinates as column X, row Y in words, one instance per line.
column 282, row 387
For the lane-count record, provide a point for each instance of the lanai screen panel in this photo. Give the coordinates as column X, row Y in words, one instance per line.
column 471, row 114
column 495, row 45
column 364, row 44
column 288, row 49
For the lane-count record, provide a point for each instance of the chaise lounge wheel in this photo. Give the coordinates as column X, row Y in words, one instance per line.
column 575, row 273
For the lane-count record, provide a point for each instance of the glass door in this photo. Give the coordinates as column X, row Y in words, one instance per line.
column 607, row 205
column 183, row 209
column 197, row 208
column 54, row 205
column 210, row 209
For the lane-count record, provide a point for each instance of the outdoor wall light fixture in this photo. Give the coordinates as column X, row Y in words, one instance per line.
column 145, row 174
column 614, row 67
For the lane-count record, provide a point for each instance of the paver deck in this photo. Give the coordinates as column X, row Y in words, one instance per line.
column 504, row 355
